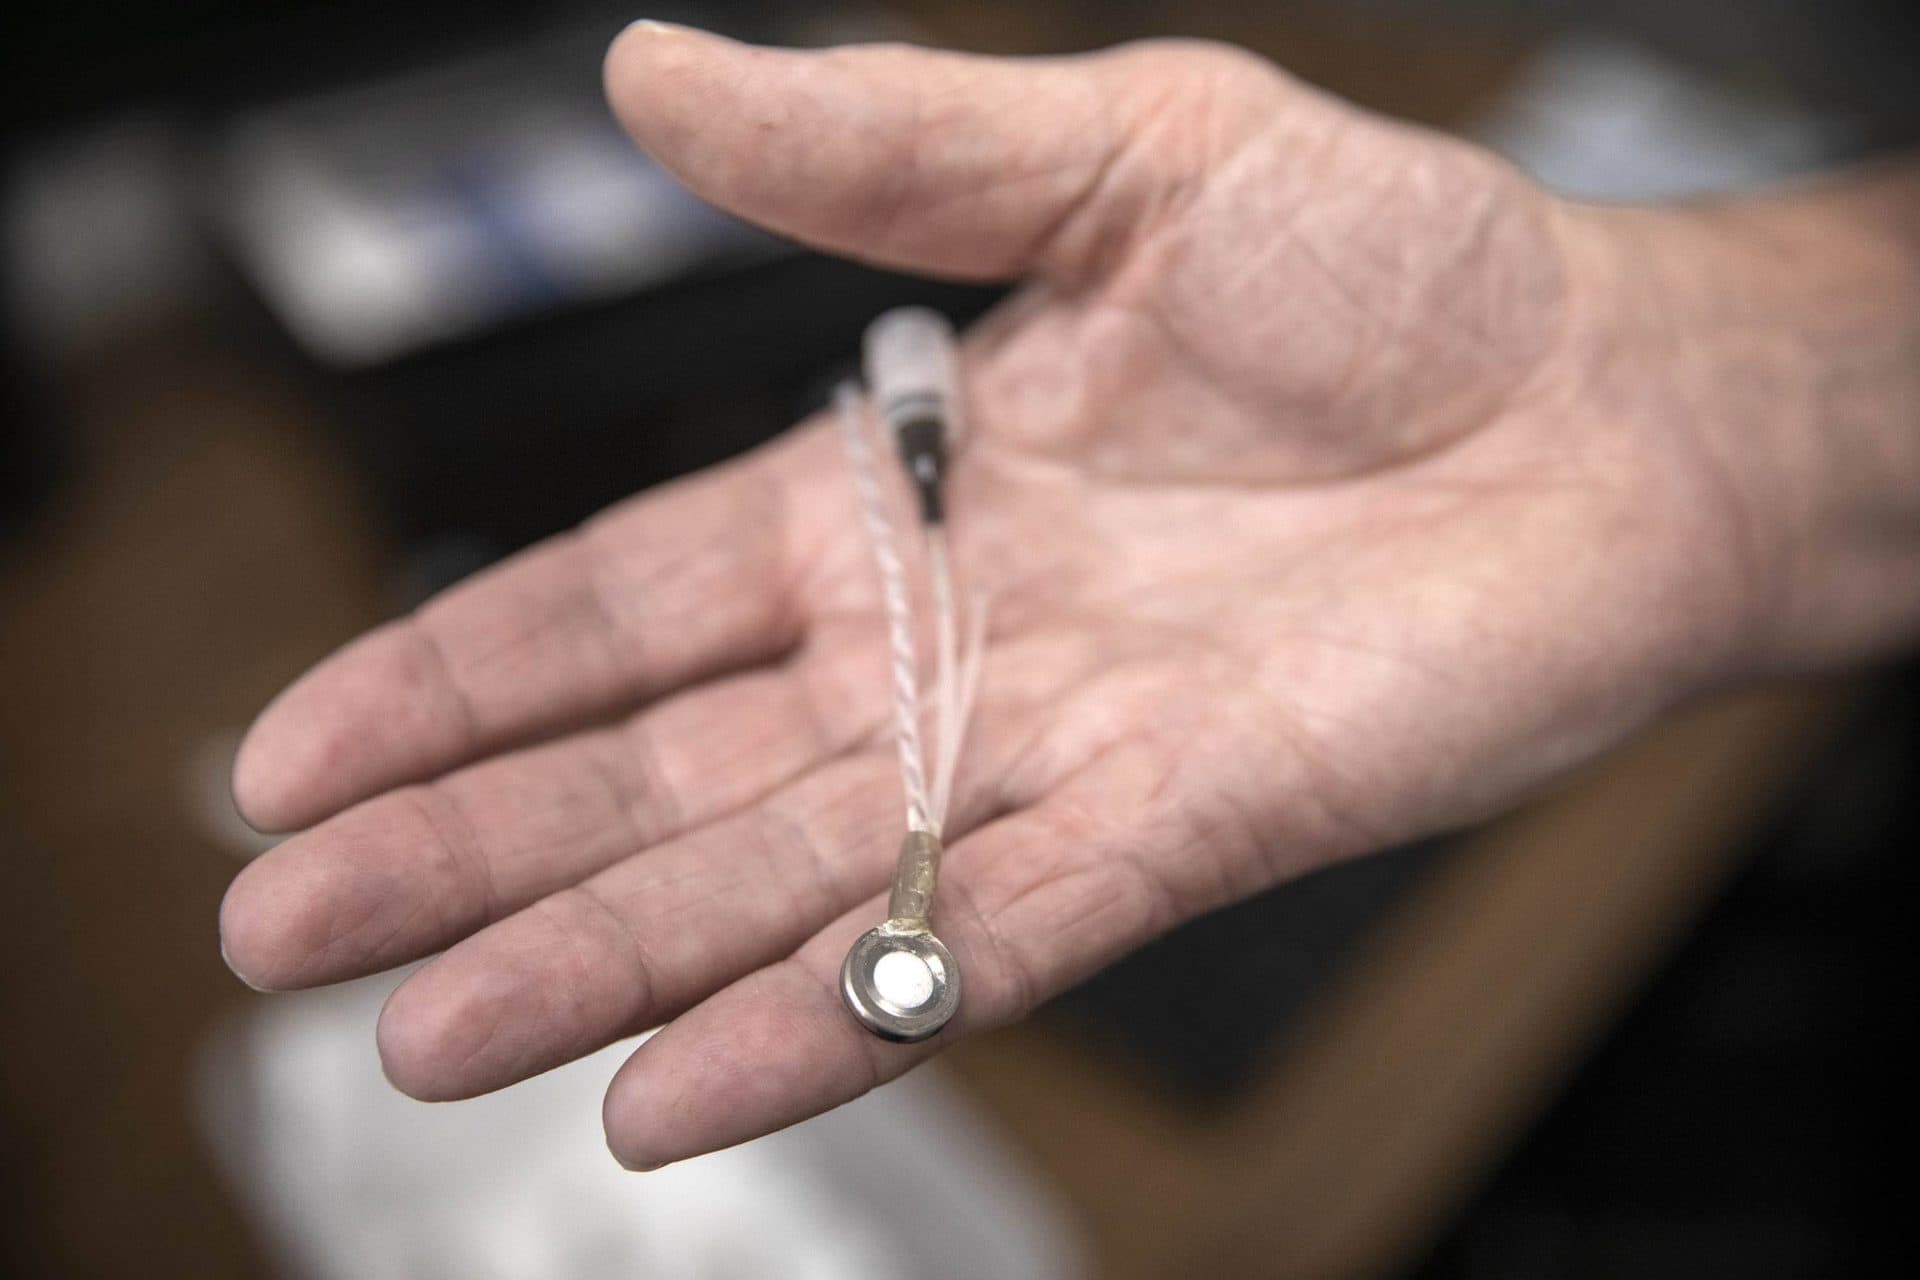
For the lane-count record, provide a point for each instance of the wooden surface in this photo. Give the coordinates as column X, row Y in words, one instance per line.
column 1461, row 1014
column 206, row 548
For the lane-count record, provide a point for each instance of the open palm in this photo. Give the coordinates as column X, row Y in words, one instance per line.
column 1286, row 476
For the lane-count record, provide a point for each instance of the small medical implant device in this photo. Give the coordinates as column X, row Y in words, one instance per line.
column 900, row 980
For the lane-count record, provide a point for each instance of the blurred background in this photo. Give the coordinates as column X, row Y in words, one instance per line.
column 313, row 309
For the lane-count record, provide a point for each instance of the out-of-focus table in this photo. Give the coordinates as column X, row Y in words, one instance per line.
column 1463, row 1010
column 206, row 545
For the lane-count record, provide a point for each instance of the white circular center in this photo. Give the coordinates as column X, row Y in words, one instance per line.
column 903, row 979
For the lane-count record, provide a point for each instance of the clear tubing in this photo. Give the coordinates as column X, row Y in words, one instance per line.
column 898, row 606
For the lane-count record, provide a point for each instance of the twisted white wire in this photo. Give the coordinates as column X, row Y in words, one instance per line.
column 946, row 712
column 899, row 609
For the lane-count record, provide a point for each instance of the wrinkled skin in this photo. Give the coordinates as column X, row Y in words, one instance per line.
column 1310, row 520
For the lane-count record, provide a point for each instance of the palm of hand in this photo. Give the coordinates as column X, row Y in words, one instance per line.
column 1287, row 513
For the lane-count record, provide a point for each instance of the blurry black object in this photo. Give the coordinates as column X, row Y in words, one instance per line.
column 31, row 450
column 1740, row 1121
column 518, row 435
column 1749, row 1117
column 515, row 317
column 1204, row 1007
column 205, row 57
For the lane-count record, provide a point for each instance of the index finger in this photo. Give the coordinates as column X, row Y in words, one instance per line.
column 700, row 577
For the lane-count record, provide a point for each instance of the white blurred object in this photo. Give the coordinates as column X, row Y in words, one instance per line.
column 912, row 369
column 353, row 1181
column 454, row 200
column 1603, row 119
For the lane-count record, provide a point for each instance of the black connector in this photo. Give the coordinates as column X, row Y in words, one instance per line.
column 923, row 448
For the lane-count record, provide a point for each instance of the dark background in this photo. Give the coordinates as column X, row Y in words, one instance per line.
column 195, row 503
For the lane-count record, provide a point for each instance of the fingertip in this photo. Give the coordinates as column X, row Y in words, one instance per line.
column 235, row 968
column 652, row 1112
column 651, row 33
column 252, row 932
column 461, row 1026
column 291, row 769
column 626, row 1134
column 258, row 784
column 628, row 1111
column 419, row 1031
column 655, row 71
column 765, row 1053
column 646, row 1115
column 808, row 143
column 375, row 714
column 623, row 52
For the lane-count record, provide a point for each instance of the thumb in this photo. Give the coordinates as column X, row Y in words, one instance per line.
column 948, row 163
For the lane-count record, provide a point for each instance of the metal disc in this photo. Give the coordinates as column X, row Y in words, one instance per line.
column 902, row 984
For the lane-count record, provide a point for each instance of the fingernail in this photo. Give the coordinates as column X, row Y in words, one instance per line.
column 227, row 960
column 633, row 1166
column 654, row 26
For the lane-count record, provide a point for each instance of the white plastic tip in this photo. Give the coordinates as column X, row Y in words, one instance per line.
column 912, row 364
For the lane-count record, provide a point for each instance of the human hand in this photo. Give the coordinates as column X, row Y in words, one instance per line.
column 1293, row 475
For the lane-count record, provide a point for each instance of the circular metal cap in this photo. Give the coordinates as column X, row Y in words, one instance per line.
column 902, row 985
